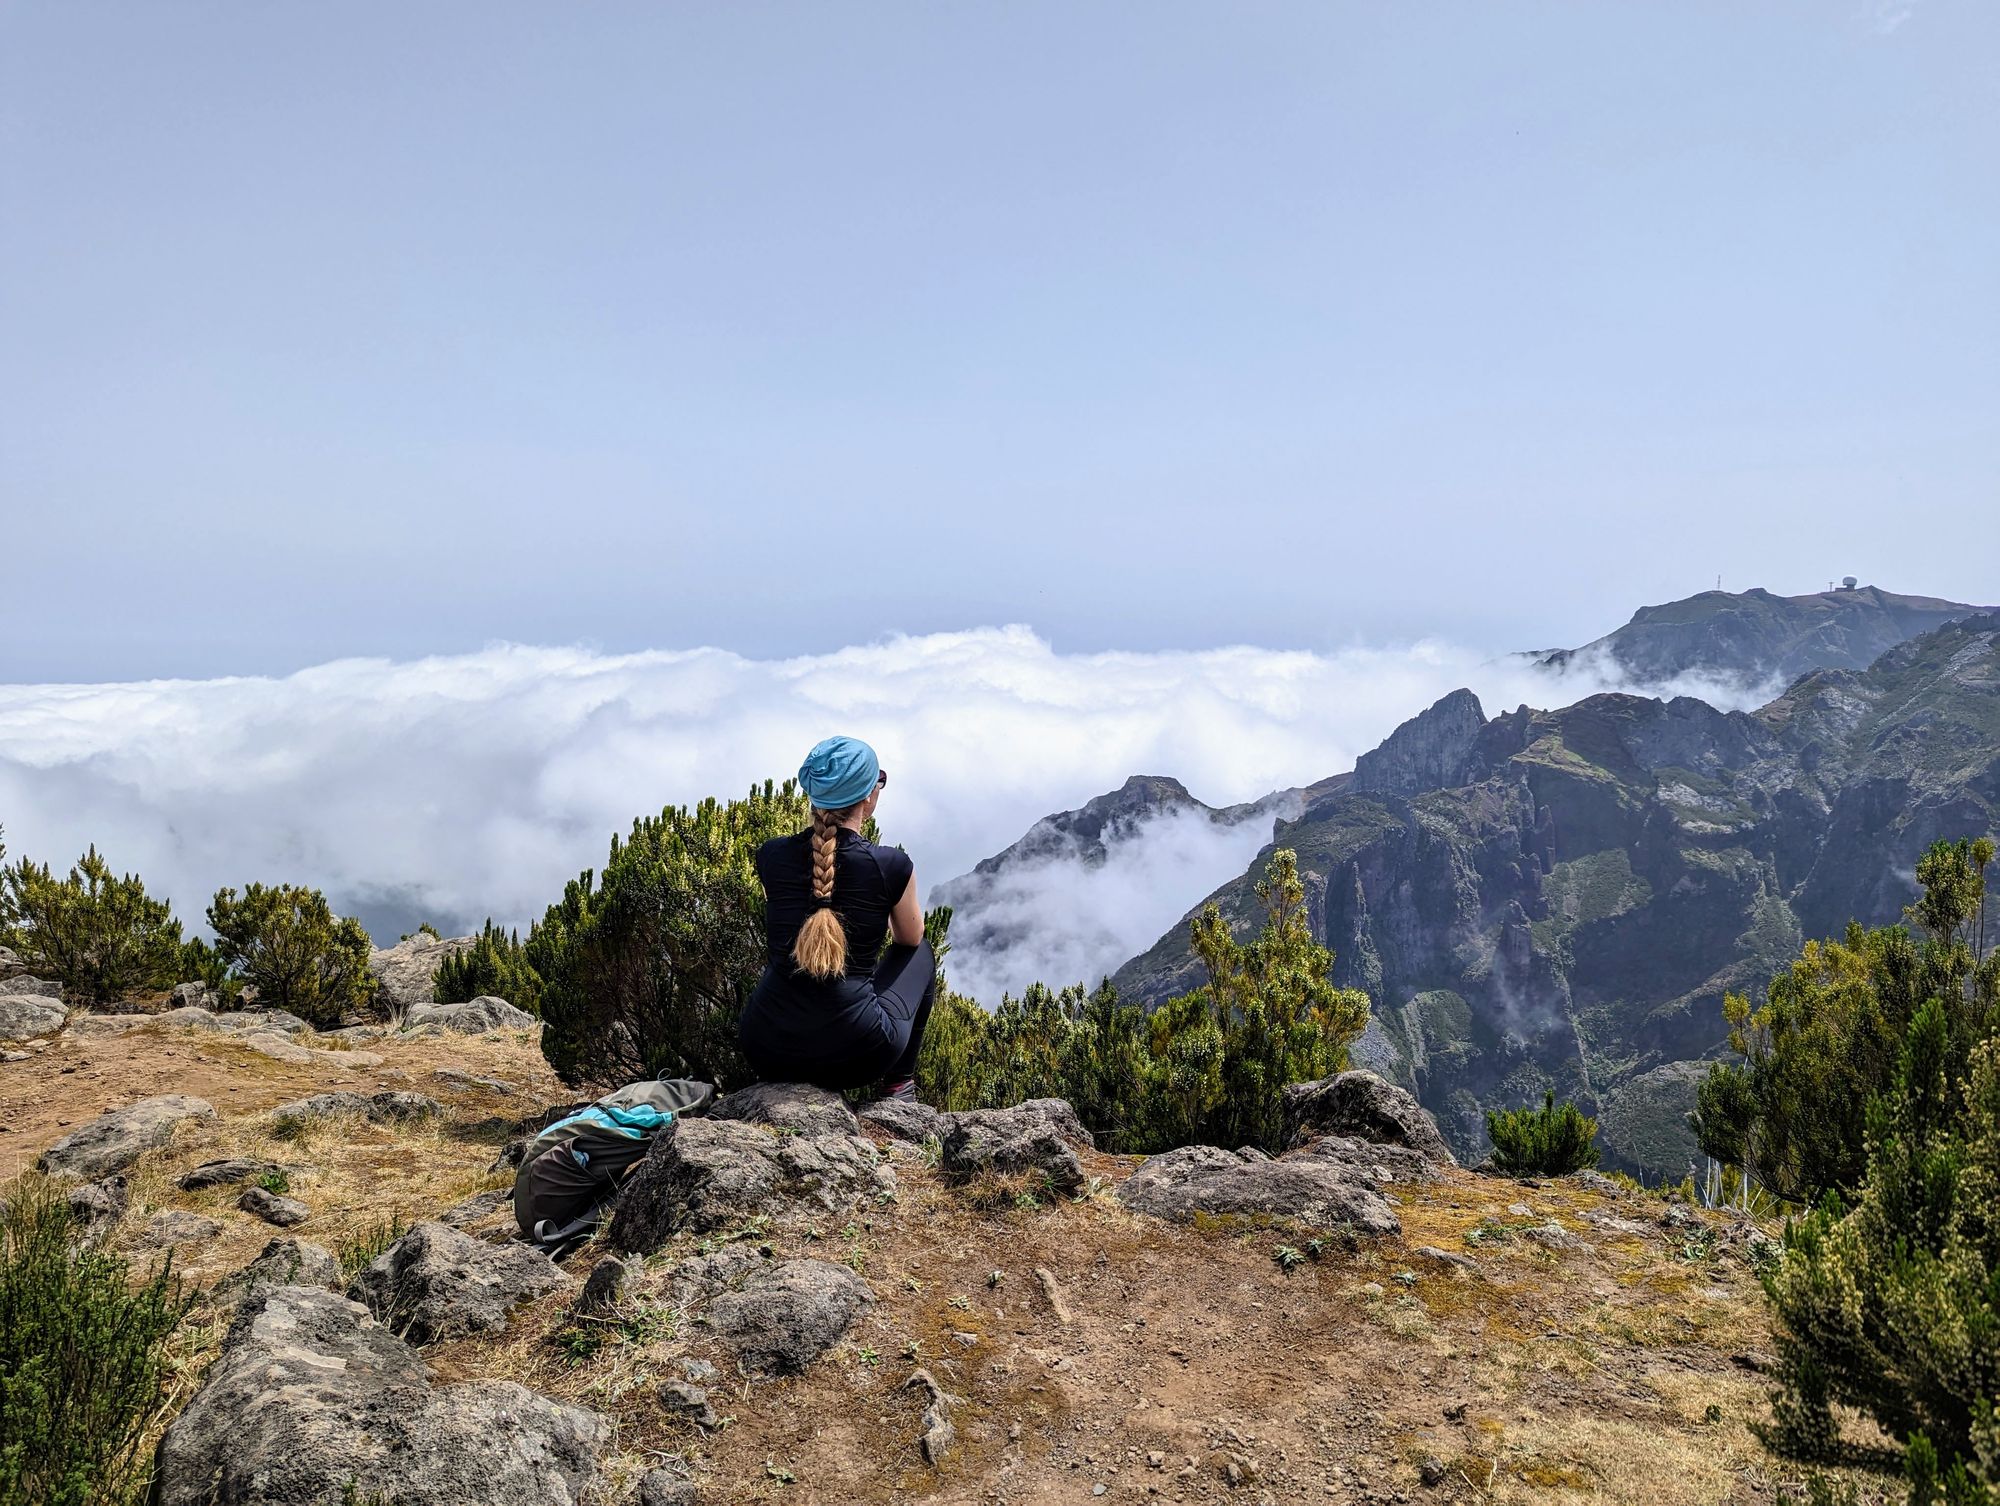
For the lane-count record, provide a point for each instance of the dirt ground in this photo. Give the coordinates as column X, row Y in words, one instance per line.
column 1092, row 1354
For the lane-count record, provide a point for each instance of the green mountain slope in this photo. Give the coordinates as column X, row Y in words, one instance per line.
column 1560, row 899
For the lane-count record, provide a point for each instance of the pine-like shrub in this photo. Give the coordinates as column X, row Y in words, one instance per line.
column 496, row 964
column 287, row 941
column 1550, row 1141
column 96, row 932
column 82, row 1357
column 1891, row 1306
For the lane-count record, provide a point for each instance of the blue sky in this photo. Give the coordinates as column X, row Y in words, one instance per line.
column 396, row 330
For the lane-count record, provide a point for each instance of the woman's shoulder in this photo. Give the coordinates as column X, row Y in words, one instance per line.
column 779, row 847
column 892, row 863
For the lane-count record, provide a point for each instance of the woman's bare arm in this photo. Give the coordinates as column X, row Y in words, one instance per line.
column 906, row 920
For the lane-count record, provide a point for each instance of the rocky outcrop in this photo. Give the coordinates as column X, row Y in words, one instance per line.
column 33, row 987
column 1031, row 1140
column 1200, row 1179
column 437, row 1282
column 11, row 965
column 403, row 972
column 796, row 1106
column 29, row 1017
column 269, row 1021
column 360, row 1414
column 1363, row 1106
column 785, row 1315
column 905, row 1119
column 709, row 1173
column 473, row 1017
column 113, row 1141
column 1431, row 751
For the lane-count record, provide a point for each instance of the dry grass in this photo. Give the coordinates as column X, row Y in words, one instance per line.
column 1601, row 1374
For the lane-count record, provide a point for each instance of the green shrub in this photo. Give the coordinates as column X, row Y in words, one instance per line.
column 1544, row 1142
column 645, row 970
column 1826, row 1042
column 496, row 964
column 82, row 1357
column 1891, row 1306
column 1207, row 1067
column 97, row 933
column 286, row 941
column 202, row 963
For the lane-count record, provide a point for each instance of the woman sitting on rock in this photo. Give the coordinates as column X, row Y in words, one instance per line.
column 833, row 1007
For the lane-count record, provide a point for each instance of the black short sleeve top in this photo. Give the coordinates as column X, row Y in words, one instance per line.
column 868, row 879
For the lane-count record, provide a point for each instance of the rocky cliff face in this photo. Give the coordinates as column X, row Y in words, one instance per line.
column 1559, row 900
column 1756, row 637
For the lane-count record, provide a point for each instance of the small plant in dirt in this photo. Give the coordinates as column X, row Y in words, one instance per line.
column 1545, row 1142
column 287, row 941
column 82, row 1357
column 95, row 932
column 277, row 1180
column 359, row 1251
column 578, row 1345
column 1288, row 1257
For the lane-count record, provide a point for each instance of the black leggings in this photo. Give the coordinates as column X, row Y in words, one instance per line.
column 847, row 1034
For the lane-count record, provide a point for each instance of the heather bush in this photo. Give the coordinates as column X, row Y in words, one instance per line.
column 1549, row 1141
column 496, row 964
column 82, row 1357
column 286, row 941
column 100, row 934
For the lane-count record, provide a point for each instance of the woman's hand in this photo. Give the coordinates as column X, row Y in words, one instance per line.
column 906, row 920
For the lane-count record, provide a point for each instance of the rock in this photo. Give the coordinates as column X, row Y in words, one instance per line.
column 106, row 1024
column 1059, row 1116
column 473, row 1017
column 711, row 1173
column 404, row 971
column 382, row 1108
column 688, row 1401
column 665, row 1486
column 786, row 1315
column 437, row 1282
column 481, row 1205
column 15, row 1056
column 271, row 1021
column 905, row 1119
column 352, row 1035
column 1597, row 1181
column 177, row 1226
column 451, row 1077
column 95, row 1206
column 310, row 1399
column 1432, row 1472
column 221, row 1173
column 191, row 996
column 34, row 988
column 273, row 1207
column 788, row 1105
column 10, row 963
column 1451, row 1260
column 1193, row 1179
column 1023, row 1141
column 285, row 1261
column 111, row 1142
column 1379, row 1163
column 1433, row 750
column 277, row 1047
column 1362, row 1105
column 29, row 1017
column 609, row 1283
column 1553, row 1236
column 187, row 1018
column 936, row 1434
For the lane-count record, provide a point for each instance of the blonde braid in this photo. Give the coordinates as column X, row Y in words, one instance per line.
column 821, row 948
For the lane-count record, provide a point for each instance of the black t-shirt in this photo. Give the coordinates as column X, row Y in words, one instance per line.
column 868, row 879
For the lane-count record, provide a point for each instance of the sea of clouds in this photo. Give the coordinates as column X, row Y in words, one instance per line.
column 454, row 788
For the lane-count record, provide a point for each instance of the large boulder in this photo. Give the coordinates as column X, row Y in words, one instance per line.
column 794, row 1106
column 1365, row 1107
column 403, row 972
column 1367, row 1160
column 437, row 1282
column 1201, row 1179
column 29, row 1017
column 11, row 965
column 785, row 1315
column 39, row 988
column 310, row 1402
column 715, row 1173
column 111, row 1142
column 1028, row 1140
column 473, row 1017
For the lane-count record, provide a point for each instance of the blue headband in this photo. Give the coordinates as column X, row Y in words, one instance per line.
column 838, row 773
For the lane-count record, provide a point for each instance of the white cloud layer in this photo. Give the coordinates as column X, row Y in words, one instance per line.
column 472, row 785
